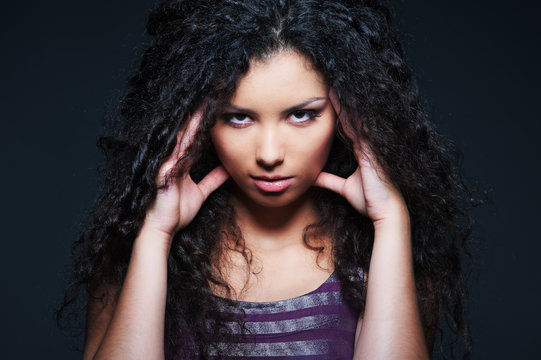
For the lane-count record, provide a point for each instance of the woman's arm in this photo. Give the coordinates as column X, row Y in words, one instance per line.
column 391, row 325
column 133, row 329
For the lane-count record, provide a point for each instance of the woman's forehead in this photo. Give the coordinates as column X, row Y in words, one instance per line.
column 286, row 77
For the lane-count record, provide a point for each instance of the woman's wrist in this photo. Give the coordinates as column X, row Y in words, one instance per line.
column 396, row 216
column 153, row 237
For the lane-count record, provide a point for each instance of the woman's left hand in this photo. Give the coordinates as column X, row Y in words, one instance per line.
column 367, row 190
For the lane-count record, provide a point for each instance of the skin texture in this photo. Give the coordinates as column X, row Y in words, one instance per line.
column 132, row 328
column 198, row 53
column 391, row 326
column 271, row 142
column 264, row 131
column 168, row 213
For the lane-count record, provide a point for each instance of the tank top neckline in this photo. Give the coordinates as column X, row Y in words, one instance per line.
column 278, row 302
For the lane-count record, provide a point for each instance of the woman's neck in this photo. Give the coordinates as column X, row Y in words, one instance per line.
column 273, row 228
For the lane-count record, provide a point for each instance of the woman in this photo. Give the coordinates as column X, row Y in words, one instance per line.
column 271, row 153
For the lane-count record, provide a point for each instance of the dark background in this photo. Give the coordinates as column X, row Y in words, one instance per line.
column 62, row 63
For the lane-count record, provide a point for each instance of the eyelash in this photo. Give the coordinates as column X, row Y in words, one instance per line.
column 312, row 115
column 227, row 119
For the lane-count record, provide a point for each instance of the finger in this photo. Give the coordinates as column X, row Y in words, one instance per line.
column 367, row 157
column 371, row 166
column 334, row 101
column 167, row 166
column 187, row 135
column 184, row 139
column 212, row 181
column 354, row 138
column 330, row 181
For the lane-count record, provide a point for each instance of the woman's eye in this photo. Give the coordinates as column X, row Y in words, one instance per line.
column 237, row 120
column 303, row 116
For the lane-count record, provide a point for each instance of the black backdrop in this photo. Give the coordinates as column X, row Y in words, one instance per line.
column 63, row 62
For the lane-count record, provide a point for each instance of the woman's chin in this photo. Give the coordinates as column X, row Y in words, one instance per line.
column 271, row 200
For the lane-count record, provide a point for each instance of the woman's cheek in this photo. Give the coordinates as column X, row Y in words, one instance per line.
column 231, row 156
column 321, row 152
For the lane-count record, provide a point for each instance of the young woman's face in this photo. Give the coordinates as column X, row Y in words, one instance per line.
column 275, row 135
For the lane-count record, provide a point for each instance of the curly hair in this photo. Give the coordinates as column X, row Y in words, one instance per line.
column 200, row 50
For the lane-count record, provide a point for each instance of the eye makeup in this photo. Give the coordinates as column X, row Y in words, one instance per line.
column 298, row 115
column 238, row 120
column 304, row 116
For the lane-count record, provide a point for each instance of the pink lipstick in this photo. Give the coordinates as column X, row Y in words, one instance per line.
column 272, row 183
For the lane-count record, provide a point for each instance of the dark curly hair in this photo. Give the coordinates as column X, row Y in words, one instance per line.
column 200, row 50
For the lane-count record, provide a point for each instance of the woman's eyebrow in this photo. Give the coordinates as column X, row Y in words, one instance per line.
column 303, row 104
column 231, row 107
column 238, row 109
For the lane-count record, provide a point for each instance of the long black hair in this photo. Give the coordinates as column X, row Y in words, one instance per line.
column 200, row 50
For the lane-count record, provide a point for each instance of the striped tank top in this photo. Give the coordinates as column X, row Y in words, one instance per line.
column 318, row 325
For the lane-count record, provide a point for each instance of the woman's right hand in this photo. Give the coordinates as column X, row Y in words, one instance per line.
column 132, row 326
column 178, row 202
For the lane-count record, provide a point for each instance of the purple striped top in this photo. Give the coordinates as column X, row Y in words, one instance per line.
column 318, row 325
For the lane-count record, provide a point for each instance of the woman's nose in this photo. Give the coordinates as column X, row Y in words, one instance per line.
column 270, row 151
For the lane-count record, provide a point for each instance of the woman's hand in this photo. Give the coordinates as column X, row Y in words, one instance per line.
column 390, row 327
column 178, row 202
column 367, row 189
column 133, row 326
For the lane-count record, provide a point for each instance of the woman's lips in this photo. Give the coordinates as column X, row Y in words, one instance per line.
column 272, row 184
